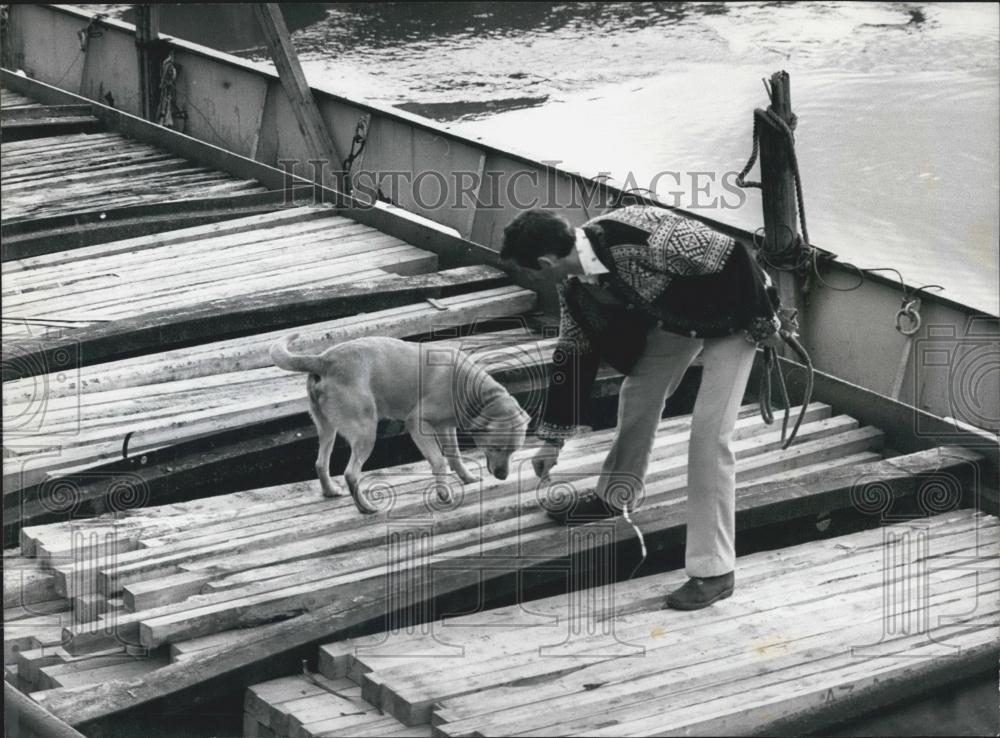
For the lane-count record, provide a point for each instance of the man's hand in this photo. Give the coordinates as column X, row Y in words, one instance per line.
column 544, row 459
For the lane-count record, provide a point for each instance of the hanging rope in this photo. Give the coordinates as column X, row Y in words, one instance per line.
column 167, row 110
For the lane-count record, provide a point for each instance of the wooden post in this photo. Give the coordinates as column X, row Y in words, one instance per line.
column 778, row 186
column 293, row 80
column 147, row 33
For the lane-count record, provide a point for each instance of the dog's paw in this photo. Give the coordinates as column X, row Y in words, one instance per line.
column 469, row 478
column 443, row 492
column 333, row 491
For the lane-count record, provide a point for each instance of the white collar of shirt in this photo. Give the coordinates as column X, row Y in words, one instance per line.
column 591, row 265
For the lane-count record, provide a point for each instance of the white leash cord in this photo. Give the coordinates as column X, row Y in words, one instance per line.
column 638, row 533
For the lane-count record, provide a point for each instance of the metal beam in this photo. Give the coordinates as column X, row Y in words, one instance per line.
column 147, row 32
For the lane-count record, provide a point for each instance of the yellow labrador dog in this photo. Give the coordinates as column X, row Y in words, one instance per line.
column 355, row 384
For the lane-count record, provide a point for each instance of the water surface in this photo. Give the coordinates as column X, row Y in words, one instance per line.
column 898, row 104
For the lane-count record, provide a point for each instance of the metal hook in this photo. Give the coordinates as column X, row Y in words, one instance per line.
column 125, row 445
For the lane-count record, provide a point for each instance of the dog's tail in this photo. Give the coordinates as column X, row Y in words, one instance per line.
column 288, row 361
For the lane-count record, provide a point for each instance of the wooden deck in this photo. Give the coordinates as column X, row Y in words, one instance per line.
column 810, row 630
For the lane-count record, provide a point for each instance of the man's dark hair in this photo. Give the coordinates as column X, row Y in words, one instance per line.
column 536, row 233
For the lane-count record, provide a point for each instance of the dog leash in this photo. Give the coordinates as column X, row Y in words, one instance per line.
column 638, row 534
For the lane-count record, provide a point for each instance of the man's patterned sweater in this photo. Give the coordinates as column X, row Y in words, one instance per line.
column 665, row 270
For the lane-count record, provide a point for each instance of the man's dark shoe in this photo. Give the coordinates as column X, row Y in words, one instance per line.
column 585, row 510
column 699, row 592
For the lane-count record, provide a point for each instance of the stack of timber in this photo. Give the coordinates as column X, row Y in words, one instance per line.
column 814, row 633
column 236, row 588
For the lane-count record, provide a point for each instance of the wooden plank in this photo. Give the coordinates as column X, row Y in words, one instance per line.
column 73, row 538
column 764, row 618
column 335, row 536
column 624, row 598
column 187, row 548
column 50, row 675
column 629, row 696
column 48, row 542
column 33, row 632
column 338, row 535
column 223, row 640
column 45, row 111
column 291, row 714
column 251, row 352
column 157, row 590
column 27, row 471
column 149, row 257
column 854, row 696
column 227, row 609
column 23, row 717
column 31, row 128
column 26, row 586
column 26, row 615
column 452, row 250
column 136, row 170
column 62, row 234
column 238, row 459
column 255, row 312
column 29, row 169
column 242, row 569
column 84, row 673
column 906, row 674
column 29, row 664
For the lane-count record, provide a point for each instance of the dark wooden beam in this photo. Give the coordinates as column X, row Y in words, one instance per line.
column 238, row 316
column 21, row 124
column 776, row 173
column 318, row 140
column 36, row 236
